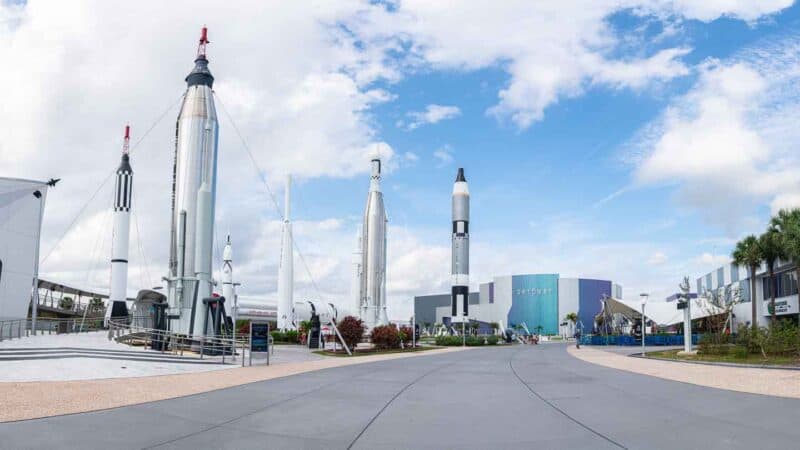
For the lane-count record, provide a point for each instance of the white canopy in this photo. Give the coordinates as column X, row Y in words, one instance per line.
column 662, row 313
column 21, row 202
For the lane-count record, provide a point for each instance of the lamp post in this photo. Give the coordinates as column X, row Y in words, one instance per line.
column 644, row 297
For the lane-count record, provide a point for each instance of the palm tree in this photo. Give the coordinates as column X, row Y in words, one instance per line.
column 748, row 254
column 772, row 249
column 787, row 223
column 572, row 318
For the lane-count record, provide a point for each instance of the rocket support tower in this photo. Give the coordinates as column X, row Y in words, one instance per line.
column 193, row 200
column 372, row 276
column 286, row 266
column 460, row 253
column 123, row 195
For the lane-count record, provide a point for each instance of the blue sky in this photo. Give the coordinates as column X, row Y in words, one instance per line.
column 627, row 140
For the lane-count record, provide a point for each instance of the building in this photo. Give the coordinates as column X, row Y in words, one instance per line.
column 534, row 300
column 732, row 283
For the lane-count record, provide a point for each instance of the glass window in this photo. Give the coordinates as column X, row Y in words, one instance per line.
column 785, row 285
column 734, row 273
column 708, row 281
column 720, row 277
column 744, row 291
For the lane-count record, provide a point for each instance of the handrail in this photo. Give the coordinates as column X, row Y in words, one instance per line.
column 13, row 328
column 176, row 342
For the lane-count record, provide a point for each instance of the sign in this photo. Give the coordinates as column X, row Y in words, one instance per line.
column 259, row 337
column 682, row 304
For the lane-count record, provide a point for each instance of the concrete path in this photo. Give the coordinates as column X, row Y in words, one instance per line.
column 778, row 382
column 491, row 398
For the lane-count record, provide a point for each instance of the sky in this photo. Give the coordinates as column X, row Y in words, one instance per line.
column 629, row 140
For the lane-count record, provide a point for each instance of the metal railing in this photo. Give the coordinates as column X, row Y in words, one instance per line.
column 18, row 328
column 134, row 331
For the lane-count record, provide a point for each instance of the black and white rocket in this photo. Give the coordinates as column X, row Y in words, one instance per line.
column 372, row 273
column 460, row 263
column 193, row 200
column 123, row 194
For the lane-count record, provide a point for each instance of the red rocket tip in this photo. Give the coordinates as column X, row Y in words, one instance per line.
column 126, row 142
column 201, row 47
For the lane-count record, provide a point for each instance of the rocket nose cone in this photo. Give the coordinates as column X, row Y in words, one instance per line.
column 460, row 176
column 200, row 74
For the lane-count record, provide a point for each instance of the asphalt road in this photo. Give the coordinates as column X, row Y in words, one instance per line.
column 491, row 398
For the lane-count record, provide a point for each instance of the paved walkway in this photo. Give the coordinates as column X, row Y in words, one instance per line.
column 778, row 382
column 489, row 398
column 28, row 400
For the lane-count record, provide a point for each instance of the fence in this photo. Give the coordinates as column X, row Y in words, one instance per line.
column 17, row 328
column 652, row 340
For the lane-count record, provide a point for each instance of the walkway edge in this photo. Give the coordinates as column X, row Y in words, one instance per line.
column 38, row 399
column 773, row 382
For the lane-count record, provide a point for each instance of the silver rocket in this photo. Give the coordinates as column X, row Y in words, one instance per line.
column 286, row 266
column 193, row 200
column 123, row 195
column 372, row 308
column 460, row 263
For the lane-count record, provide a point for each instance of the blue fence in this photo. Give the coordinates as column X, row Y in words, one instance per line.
column 654, row 340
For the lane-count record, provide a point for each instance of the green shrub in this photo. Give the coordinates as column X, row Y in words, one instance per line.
column 740, row 351
column 385, row 337
column 473, row 341
column 713, row 344
column 448, row 340
column 278, row 336
column 291, row 336
column 492, row 339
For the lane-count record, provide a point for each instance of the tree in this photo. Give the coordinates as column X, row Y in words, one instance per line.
column 787, row 223
column 748, row 254
column 772, row 249
column 66, row 303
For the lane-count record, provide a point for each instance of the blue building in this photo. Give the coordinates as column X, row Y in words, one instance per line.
column 539, row 301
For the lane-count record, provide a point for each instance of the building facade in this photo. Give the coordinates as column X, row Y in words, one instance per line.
column 731, row 283
column 540, row 302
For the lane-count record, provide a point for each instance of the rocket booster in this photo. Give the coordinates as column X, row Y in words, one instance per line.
column 227, row 274
column 460, row 261
column 193, row 199
column 358, row 255
column 123, row 195
column 373, row 258
column 286, row 266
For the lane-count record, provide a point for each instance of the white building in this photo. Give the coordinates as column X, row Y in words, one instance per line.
column 735, row 281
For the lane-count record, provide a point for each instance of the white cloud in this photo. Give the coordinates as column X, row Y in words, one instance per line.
column 433, row 114
column 712, row 261
column 551, row 50
column 444, row 155
column 727, row 144
column 657, row 259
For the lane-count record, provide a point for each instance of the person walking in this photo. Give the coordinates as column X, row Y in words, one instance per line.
column 577, row 338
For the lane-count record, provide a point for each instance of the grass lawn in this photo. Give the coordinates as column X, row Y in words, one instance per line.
column 730, row 358
column 368, row 352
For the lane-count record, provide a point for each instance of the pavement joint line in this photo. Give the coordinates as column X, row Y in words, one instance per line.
column 400, row 392
column 553, row 405
column 752, row 380
column 38, row 399
column 271, row 405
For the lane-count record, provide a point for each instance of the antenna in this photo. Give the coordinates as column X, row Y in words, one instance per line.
column 127, row 141
column 201, row 47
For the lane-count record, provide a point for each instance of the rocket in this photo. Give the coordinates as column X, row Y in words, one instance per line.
column 460, row 253
column 372, row 307
column 228, row 287
column 123, row 194
column 355, row 286
column 286, row 266
column 194, row 180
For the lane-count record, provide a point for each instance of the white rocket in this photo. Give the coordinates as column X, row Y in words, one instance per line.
column 286, row 266
column 193, row 200
column 460, row 252
column 228, row 287
column 372, row 276
column 123, row 194
column 357, row 260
